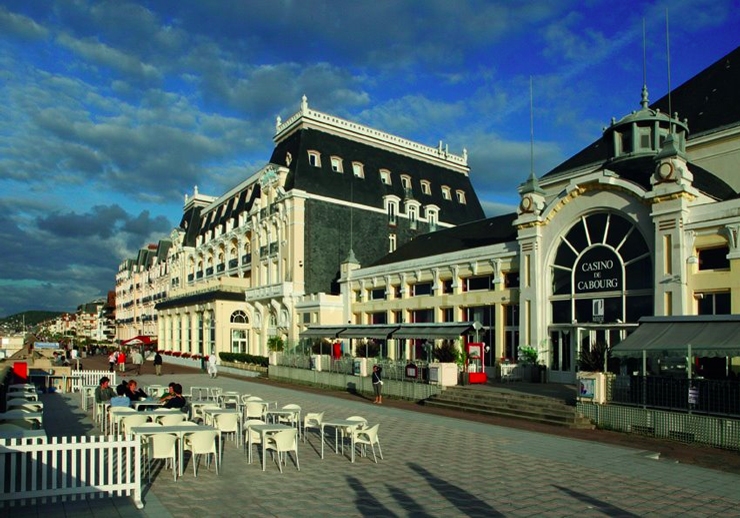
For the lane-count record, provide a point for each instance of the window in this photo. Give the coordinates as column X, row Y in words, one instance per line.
column 314, row 158
column 377, row 294
column 713, row 303
column 239, row 341
column 422, row 288
column 391, row 243
column 306, row 318
column 477, row 283
column 336, row 164
column 447, row 286
column 406, row 181
column 446, row 193
column 392, row 208
column 714, row 258
column 412, row 213
column 460, row 196
column 239, row 317
column 432, row 217
column 426, row 187
column 511, row 331
column 358, row 169
column 385, row 176
column 511, row 279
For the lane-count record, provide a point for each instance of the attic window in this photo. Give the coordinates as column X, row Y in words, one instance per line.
column 336, row 164
column 645, row 142
column 446, row 193
column 385, row 176
column 406, row 181
column 460, row 196
column 426, row 187
column 358, row 170
column 314, row 158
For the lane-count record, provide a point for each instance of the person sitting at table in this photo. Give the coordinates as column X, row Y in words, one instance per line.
column 121, row 399
column 133, row 391
column 170, row 393
column 104, row 392
column 177, row 400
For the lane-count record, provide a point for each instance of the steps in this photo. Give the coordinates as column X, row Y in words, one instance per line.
column 510, row 404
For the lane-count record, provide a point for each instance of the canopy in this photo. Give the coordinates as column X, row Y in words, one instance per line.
column 322, row 331
column 706, row 335
column 432, row 331
column 374, row 331
column 429, row 330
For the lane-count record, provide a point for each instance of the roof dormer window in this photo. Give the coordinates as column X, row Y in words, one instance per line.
column 446, row 193
column 314, row 158
column 358, row 170
column 426, row 187
column 460, row 196
column 385, row 176
column 336, row 164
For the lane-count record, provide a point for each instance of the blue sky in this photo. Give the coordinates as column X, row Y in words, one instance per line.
column 110, row 112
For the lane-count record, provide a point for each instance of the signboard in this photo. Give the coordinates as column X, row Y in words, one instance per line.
column 586, row 387
column 597, row 313
column 599, row 269
column 46, row 345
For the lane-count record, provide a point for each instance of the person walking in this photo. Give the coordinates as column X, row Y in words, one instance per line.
column 112, row 361
column 377, row 384
column 157, row 363
column 137, row 360
column 212, row 368
column 121, row 359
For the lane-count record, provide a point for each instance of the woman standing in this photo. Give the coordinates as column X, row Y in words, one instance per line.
column 377, row 384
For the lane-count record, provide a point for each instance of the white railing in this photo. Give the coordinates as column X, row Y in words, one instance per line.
column 59, row 469
column 87, row 378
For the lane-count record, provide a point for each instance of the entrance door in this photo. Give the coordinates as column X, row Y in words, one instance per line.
column 563, row 355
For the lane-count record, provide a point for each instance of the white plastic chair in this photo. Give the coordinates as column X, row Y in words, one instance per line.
column 171, row 419
column 196, row 412
column 255, row 410
column 162, row 446
column 228, row 400
column 282, row 443
column 198, row 393
column 25, row 404
column 312, row 420
column 228, row 424
column 214, row 393
column 368, row 436
column 130, row 420
column 255, row 436
column 202, row 443
column 292, row 419
column 116, row 415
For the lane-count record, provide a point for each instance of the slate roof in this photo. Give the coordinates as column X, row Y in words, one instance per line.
column 484, row 232
column 709, row 101
column 370, row 190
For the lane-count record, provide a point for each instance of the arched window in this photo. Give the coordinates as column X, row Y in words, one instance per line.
column 601, row 272
column 239, row 317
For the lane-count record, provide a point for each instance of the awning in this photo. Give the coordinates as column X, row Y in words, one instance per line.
column 433, row 331
column 707, row 335
column 322, row 331
column 140, row 340
column 374, row 331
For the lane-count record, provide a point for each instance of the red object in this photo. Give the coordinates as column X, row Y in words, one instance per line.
column 337, row 350
column 20, row 371
column 474, row 363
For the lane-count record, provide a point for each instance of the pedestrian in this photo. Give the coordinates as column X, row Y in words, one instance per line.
column 112, row 361
column 137, row 359
column 158, row 364
column 212, row 368
column 377, row 384
column 121, row 359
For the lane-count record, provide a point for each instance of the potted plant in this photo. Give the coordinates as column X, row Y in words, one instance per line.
column 592, row 363
column 528, row 357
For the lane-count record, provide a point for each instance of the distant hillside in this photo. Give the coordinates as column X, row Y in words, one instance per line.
column 32, row 318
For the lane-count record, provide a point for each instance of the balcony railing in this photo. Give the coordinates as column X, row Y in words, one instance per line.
column 209, row 270
column 220, row 267
column 233, row 263
column 247, row 259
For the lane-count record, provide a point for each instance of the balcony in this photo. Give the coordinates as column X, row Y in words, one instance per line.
column 209, row 271
column 233, row 263
column 263, row 251
column 220, row 267
column 199, row 275
column 270, row 291
column 274, row 248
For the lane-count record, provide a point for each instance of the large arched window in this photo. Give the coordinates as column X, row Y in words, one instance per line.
column 239, row 333
column 239, row 317
column 602, row 272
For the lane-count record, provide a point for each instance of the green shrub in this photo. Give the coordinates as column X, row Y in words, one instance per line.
column 262, row 361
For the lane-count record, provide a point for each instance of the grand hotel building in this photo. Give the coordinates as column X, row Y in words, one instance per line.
column 642, row 222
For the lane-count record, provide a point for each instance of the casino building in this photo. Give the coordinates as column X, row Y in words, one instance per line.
column 643, row 222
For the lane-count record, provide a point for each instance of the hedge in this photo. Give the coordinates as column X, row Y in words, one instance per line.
column 262, row 361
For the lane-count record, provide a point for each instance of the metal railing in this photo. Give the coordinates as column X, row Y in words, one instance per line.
column 701, row 396
column 392, row 370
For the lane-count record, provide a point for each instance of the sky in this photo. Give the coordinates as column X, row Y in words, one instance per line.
column 110, row 112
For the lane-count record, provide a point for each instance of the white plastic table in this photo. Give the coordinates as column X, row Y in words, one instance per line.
column 179, row 430
column 264, row 430
column 339, row 425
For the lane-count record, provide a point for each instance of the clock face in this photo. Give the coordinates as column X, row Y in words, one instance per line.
column 526, row 203
column 665, row 170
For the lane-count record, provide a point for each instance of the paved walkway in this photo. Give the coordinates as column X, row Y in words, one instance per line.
column 433, row 466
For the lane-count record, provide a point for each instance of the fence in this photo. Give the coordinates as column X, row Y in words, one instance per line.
column 393, row 370
column 40, row 471
column 699, row 396
column 83, row 378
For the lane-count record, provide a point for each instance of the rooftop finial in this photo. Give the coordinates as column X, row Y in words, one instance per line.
column 304, row 104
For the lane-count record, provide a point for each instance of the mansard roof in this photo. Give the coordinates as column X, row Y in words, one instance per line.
column 484, row 232
column 708, row 101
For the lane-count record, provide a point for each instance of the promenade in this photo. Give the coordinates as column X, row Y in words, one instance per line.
column 433, row 466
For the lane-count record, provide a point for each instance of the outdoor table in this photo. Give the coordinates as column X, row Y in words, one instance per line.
column 276, row 414
column 23, row 434
column 38, row 406
column 30, row 387
column 179, row 430
column 197, row 404
column 264, row 430
column 158, row 412
column 144, row 404
column 31, row 396
column 339, row 424
column 19, row 415
column 114, row 415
